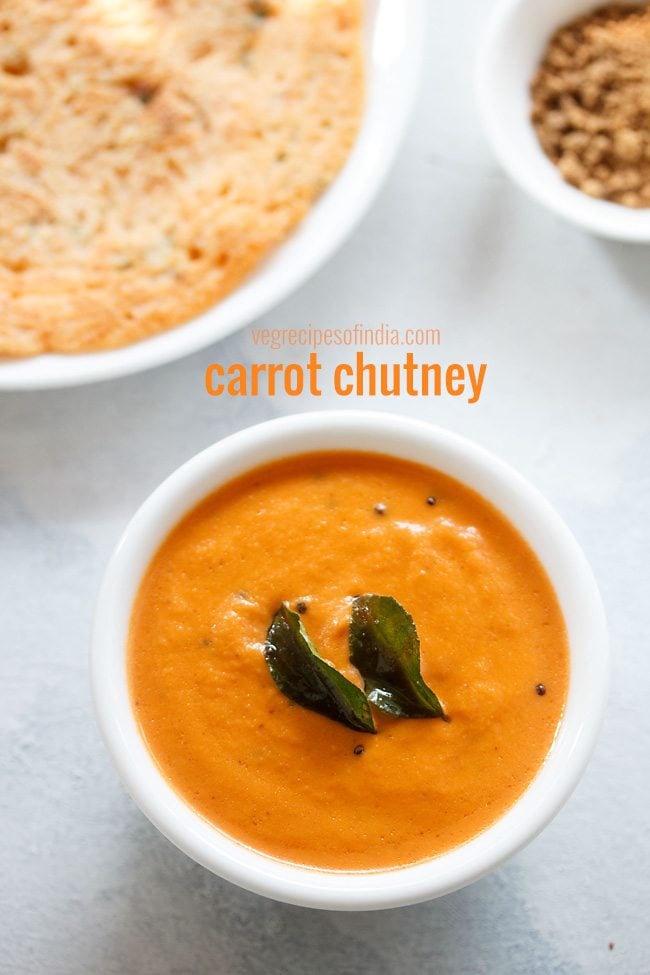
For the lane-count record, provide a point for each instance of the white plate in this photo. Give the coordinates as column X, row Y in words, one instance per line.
column 394, row 44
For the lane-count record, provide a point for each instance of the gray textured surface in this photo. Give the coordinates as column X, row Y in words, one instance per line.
column 562, row 319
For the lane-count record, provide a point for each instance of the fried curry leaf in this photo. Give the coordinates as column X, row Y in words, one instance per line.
column 385, row 649
column 302, row 674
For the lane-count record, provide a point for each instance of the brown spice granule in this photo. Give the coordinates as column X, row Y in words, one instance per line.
column 591, row 103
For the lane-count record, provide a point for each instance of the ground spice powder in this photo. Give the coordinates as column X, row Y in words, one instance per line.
column 591, row 103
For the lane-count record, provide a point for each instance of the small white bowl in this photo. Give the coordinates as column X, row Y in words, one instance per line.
column 399, row 437
column 515, row 40
column 394, row 41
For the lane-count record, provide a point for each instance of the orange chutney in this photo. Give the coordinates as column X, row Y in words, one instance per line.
column 292, row 783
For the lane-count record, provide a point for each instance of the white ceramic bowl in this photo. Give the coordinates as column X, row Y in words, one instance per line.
column 516, row 37
column 394, row 42
column 412, row 440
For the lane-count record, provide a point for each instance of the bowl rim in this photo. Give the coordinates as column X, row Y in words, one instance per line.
column 394, row 435
column 394, row 40
column 600, row 217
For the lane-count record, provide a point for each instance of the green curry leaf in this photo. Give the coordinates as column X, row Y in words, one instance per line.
column 385, row 649
column 302, row 675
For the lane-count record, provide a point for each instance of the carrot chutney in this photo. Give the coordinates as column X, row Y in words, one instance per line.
column 315, row 531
